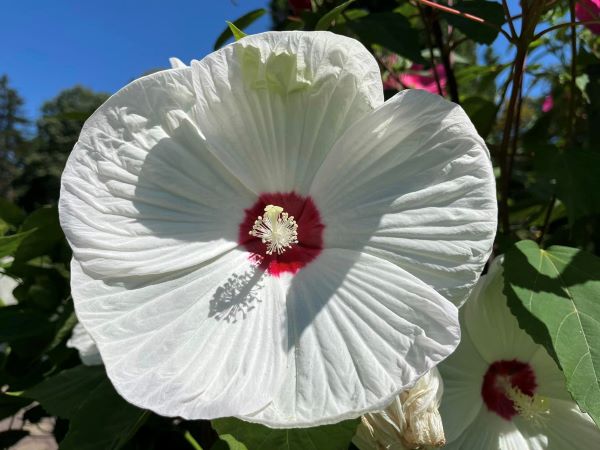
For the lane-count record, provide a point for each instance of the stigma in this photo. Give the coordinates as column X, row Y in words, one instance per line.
column 276, row 229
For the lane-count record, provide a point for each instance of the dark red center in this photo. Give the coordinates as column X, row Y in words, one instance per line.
column 310, row 233
column 502, row 374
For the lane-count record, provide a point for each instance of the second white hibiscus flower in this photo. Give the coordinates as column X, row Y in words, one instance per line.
column 392, row 206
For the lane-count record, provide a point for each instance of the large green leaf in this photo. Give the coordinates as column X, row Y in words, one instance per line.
column 240, row 435
column 243, row 22
column 45, row 234
column 10, row 244
column 99, row 417
column 11, row 213
column 577, row 175
column 560, row 287
column 491, row 12
column 390, row 30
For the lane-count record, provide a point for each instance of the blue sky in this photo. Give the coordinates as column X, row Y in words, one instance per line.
column 48, row 46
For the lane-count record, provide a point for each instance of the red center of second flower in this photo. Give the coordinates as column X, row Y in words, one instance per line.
column 500, row 378
column 310, row 233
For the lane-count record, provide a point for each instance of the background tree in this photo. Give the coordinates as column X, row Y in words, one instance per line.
column 12, row 139
column 57, row 133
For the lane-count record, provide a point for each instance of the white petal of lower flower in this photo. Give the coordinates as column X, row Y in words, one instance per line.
column 360, row 331
column 205, row 343
column 142, row 193
column 493, row 329
column 413, row 183
column 570, row 429
column 551, row 381
column 273, row 104
column 82, row 341
column 490, row 432
column 462, row 373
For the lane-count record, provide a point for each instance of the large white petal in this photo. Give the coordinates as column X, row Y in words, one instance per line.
column 142, row 193
column 273, row 104
column 204, row 343
column 568, row 428
column 360, row 330
column 493, row 329
column 412, row 182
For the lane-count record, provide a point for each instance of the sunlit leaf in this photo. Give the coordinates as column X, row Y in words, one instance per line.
column 255, row 437
column 560, row 287
column 243, row 22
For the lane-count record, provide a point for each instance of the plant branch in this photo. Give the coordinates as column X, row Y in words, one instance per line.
column 573, row 86
column 445, row 54
column 565, row 24
column 511, row 25
column 430, row 47
column 547, row 219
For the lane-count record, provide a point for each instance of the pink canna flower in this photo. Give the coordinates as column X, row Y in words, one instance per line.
column 548, row 104
column 586, row 10
column 417, row 78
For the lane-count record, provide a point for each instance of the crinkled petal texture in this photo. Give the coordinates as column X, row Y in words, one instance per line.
column 152, row 200
column 491, row 333
column 412, row 183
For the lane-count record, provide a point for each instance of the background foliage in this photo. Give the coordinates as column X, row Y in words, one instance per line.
column 529, row 81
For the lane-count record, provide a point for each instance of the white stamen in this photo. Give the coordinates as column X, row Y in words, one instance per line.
column 276, row 229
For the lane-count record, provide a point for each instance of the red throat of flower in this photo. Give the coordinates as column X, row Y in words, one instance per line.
column 299, row 213
column 503, row 380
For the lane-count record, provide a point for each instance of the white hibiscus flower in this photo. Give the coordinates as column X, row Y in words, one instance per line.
column 501, row 390
column 411, row 421
column 185, row 196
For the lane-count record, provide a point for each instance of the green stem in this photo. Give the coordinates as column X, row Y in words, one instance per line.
column 193, row 442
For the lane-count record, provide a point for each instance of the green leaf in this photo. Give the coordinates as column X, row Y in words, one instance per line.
column 46, row 234
column 560, row 287
column 577, row 175
column 390, row 30
column 10, row 244
column 99, row 417
column 325, row 22
column 11, row 213
column 491, row 12
column 482, row 112
column 12, row 404
column 241, row 435
column 237, row 25
column 237, row 33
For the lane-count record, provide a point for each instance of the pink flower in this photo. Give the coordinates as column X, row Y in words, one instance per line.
column 548, row 104
column 417, row 78
column 586, row 10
